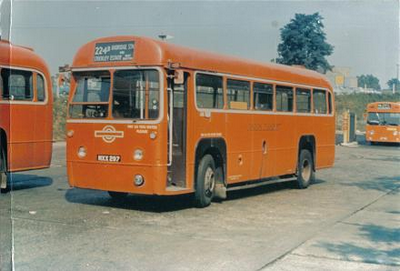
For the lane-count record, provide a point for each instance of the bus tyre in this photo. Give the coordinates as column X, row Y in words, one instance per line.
column 205, row 182
column 305, row 169
column 117, row 195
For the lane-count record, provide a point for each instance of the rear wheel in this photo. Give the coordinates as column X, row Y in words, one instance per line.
column 305, row 169
column 205, row 181
column 117, row 195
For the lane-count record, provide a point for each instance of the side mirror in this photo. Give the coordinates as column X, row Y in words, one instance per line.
column 179, row 77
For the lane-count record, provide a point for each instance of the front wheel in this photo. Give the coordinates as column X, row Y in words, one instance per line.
column 205, row 182
column 305, row 169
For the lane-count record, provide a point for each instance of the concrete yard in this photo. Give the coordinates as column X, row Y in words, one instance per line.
column 348, row 220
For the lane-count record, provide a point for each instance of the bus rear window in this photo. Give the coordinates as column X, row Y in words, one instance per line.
column 17, row 85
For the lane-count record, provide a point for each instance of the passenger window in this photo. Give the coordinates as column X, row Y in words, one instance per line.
column 238, row 93
column 40, row 88
column 303, row 100
column 263, row 96
column 319, row 98
column 330, row 103
column 209, row 91
column 17, row 85
column 284, row 99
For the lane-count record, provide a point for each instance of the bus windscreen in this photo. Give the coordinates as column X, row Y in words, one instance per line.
column 136, row 94
column 379, row 118
column 91, row 95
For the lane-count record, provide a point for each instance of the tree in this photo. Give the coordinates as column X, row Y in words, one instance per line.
column 304, row 43
column 395, row 82
column 368, row 81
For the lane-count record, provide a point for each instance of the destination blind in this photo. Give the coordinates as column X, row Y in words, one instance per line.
column 114, row 51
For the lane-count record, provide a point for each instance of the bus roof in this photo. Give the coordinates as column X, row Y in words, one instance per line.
column 158, row 53
column 20, row 56
column 384, row 107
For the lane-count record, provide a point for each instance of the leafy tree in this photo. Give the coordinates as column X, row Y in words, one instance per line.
column 395, row 82
column 304, row 43
column 368, row 81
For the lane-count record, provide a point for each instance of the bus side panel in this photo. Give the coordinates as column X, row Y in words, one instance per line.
column 286, row 145
column 43, row 135
column 30, row 136
column 5, row 123
column 21, row 138
column 239, row 146
column 324, row 128
column 264, row 157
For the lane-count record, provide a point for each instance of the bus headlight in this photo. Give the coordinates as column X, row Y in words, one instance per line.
column 153, row 135
column 70, row 133
column 395, row 133
column 81, row 152
column 139, row 180
column 371, row 132
column 138, row 155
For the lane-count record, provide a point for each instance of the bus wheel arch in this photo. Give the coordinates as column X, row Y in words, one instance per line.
column 210, row 149
column 306, row 161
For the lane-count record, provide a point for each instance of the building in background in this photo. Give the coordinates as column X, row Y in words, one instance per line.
column 342, row 80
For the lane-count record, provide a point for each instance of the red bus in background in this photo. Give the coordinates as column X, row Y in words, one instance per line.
column 383, row 122
column 26, row 120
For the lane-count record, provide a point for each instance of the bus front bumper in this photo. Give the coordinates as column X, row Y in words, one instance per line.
column 118, row 178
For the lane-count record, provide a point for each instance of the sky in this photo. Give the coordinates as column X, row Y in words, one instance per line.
column 365, row 34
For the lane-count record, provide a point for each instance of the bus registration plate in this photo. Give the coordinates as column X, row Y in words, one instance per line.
column 109, row 158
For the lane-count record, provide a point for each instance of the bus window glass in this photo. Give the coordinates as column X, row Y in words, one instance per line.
column 136, row 94
column 330, row 103
column 40, row 88
column 383, row 118
column 263, row 96
column 284, row 99
column 303, row 100
column 238, row 93
column 319, row 98
column 209, row 93
column 17, row 85
column 91, row 95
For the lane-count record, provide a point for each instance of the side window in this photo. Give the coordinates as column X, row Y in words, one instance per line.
column 40, row 88
column 238, row 93
column 263, row 96
column 303, row 100
column 284, row 99
column 209, row 91
column 330, row 103
column 17, row 85
column 319, row 98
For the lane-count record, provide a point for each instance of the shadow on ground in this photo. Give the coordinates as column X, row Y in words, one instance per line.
column 386, row 251
column 160, row 204
column 383, row 184
column 25, row 181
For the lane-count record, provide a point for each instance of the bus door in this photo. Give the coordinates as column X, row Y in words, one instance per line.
column 177, row 167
